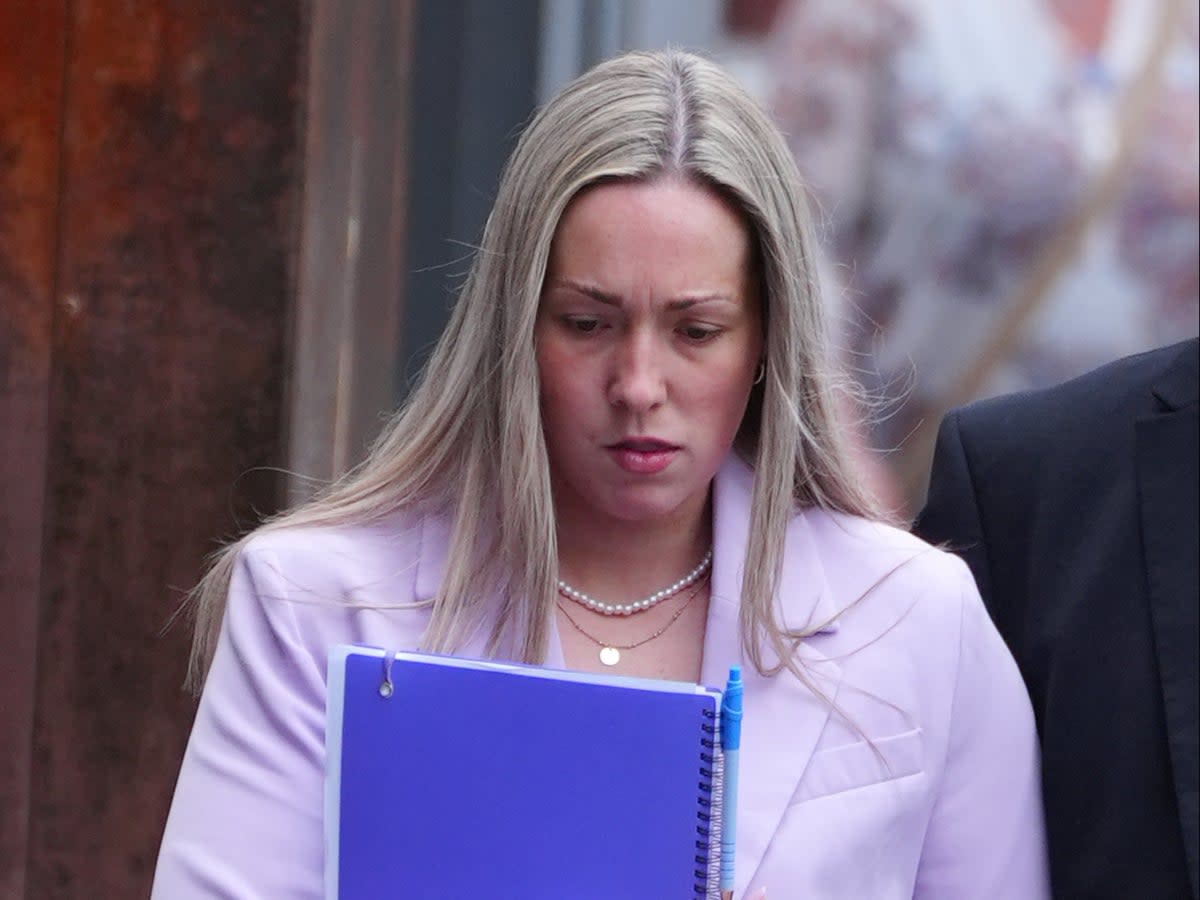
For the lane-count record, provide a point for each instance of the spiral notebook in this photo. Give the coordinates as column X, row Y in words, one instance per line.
column 453, row 779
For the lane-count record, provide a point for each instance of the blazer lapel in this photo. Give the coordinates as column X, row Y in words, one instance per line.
column 784, row 717
column 1167, row 448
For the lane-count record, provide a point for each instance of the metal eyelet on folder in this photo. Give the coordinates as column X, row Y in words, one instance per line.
column 386, row 688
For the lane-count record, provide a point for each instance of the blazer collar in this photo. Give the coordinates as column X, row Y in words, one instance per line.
column 1179, row 385
column 784, row 717
column 804, row 600
column 805, row 603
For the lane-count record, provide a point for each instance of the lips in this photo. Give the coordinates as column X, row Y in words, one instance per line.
column 644, row 445
column 643, row 455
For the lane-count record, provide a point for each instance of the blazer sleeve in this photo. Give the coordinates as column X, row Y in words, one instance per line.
column 246, row 819
column 986, row 836
column 951, row 517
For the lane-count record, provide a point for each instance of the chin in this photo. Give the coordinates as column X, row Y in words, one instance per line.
column 644, row 504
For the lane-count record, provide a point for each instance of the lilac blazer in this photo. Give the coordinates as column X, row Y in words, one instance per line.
column 948, row 807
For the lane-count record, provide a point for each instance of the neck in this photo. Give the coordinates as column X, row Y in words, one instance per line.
column 619, row 562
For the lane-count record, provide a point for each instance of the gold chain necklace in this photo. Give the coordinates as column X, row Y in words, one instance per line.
column 610, row 653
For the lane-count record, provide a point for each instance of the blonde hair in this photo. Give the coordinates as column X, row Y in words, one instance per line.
column 469, row 439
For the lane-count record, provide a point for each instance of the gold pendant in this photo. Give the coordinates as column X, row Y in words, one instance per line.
column 610, row 656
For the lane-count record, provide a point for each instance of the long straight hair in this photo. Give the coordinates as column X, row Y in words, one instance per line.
column 469, row 439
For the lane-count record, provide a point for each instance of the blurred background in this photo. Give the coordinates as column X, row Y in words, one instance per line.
column 230, row 232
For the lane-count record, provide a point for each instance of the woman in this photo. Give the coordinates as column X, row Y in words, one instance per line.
column 633, row 376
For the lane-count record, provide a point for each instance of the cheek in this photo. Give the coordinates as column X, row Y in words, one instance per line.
column 732, row 401
column 723, row 403
column 561, row 391
column 728, row 382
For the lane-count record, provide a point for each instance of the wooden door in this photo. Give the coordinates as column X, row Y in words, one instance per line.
column 149, row 187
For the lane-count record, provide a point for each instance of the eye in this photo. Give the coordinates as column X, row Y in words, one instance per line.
column 583, row 324
column 697, row 333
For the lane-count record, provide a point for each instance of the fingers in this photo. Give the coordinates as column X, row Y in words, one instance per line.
column 760, row 894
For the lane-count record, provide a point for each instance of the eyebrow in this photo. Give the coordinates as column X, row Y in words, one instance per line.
column 608, row 299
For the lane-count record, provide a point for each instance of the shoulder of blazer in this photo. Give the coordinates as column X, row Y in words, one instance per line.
column 1085, row 411
column 340, row 560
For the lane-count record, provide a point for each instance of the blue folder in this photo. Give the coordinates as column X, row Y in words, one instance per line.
column 453, row 779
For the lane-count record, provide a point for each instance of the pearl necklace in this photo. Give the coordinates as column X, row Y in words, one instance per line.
column 610, row 653
column 628, row 609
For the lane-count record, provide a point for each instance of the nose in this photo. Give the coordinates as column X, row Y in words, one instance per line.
column 638, row 379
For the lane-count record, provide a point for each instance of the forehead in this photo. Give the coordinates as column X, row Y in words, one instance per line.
column 671, row 231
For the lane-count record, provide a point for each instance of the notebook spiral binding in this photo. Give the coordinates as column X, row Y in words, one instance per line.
column 710, row 807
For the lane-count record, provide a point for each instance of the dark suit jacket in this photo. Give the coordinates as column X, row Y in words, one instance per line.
column 1076, row 508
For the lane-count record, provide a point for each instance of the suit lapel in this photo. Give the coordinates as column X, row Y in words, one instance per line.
column 784, row 718
column 1167, row 447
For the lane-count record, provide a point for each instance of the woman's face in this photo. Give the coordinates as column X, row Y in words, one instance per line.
column 648, row 337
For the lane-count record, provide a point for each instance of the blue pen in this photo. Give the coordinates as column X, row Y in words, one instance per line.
column 731, row 742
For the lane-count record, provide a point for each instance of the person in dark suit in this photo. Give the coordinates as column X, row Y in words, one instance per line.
column 1076, row 509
